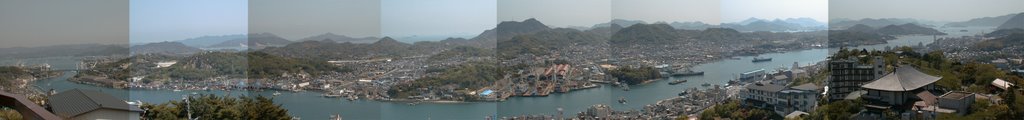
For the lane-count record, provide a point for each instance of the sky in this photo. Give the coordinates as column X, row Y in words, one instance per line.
column 937, row 10
column 437, row 17
column 33, row 23
column 30, row 23
column 295, row 20
column 707, row 11
column 739, row 10
column 556, row 13
column 171, row 20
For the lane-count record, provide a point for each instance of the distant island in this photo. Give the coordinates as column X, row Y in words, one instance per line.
column 861, row 34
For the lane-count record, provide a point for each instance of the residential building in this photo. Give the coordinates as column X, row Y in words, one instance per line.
column 847, row 75
column 779, row 98
column 957, row 100
column 1001, row 85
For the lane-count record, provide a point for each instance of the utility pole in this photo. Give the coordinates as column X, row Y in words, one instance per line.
column 188, row 107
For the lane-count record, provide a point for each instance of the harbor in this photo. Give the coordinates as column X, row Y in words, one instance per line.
column 310, row 104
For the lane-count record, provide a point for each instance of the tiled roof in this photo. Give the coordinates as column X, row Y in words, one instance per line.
column 75, row 102
column 807, row 86
column 905, row 78
column 766, row 87
column 1002, row 84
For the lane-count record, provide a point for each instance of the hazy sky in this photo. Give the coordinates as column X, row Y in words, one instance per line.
column 707, row 11
column 294, row 20
column 556, row 13
column 739, row 10
column 437, row 17
column 940, row 10
column 170, row 20
column 31, row 23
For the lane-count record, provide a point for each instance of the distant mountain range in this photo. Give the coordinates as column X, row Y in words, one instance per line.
column 63, row 50
column 339, row 38
column 1006, row 38
column 1016, row 22
column 908, row 29
column 204, row 41
column 984, row 21
column 876, row 23
column 529, row 33
column 620, row 22
column 253, row 41
column 1004, row 32
column 169, row 48
column 691, row 25
column 861, row 34
column 748, row 25
column 777, row 25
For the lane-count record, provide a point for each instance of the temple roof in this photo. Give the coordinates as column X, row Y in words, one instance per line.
column 905, row 78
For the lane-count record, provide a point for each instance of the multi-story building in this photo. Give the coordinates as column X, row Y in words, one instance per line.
column 780, row 99
column 847, row 75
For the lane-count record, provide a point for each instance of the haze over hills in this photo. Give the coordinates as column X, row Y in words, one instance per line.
column 63, row 50
column 1006, row 38
column 908, row 29
column 861, row 34
column 788, row 24
column 514, row 36
column 751, row 24
column 1016, row 22
column 339, row 38
column 253, row 41
column 877, row 23
column 621, row 22
column 691, row 25
column 1004, row 32
column 169, row 48
column 983, row 21
column 204, row 41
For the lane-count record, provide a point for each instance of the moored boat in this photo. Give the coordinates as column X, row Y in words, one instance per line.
column 759, row 59
column 674, row 82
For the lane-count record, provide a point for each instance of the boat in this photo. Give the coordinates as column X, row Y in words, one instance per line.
column 622, row 100
column 276, row 93
column 759, row 59
column 674, row 82
column 687, row 72
column 684, row 93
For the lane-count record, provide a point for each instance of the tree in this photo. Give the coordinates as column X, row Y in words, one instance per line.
column 210, row 107
column 635, row 75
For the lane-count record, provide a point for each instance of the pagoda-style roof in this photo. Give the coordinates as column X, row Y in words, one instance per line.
column 905, row 78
